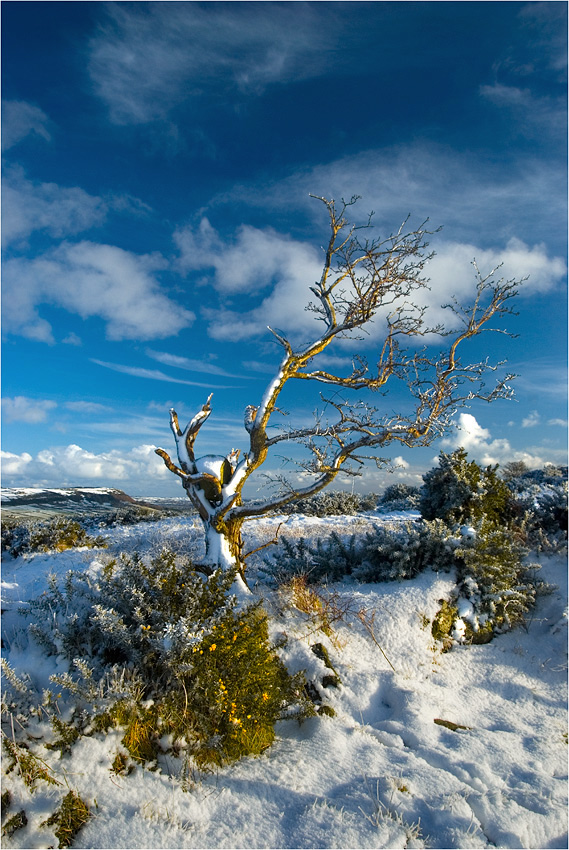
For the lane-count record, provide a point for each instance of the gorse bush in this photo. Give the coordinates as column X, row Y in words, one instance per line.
column 539, row 500
column 496, row 586
column 159, row 650
column 328, row 559
column 21, row 537
column 332, row 504
column 460, row 491
column 400, row 497
column 389, row 553
column 403, row 551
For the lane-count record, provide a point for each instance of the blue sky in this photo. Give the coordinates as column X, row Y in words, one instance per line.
column 157, row 165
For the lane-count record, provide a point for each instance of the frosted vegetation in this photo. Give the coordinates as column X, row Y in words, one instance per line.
column 399, row 680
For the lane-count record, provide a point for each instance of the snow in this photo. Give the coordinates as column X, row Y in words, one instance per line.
column 381, row 772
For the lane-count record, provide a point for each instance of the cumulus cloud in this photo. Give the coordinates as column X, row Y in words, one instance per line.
column 91, row 279
column 74, row 466
column 532, row 420
column 480, row 446
column 22, row 409
column 19, row 119
column 57, row 210
column 14, row 465
column 253, row 261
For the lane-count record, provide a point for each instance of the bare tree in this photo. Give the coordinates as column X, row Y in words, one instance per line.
column 362, row 278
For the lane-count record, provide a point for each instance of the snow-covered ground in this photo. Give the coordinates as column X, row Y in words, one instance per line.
column 382, row 772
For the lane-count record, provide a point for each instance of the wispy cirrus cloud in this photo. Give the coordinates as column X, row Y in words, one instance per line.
column 19, row 119
column 57, row 210
column 86, row 407
column 466, row 193
column 191, row 365
column 156, row 375
column 147, row 59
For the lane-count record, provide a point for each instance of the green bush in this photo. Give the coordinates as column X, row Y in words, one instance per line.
column 160, row 650
column 494, row 580
column 20, row 537
column 460, row 491
column 400, row 497
column 389, row 553
column 332, row 503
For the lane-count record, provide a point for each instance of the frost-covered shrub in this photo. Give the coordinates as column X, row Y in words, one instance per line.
column 331, row 503
column 390, row 552
column 58, row 534
column 393, row 553
column 539, row 501
column 542, row 512
column 15, row 537
column 328, row 559
column 400, row 497
column 129, row 516
column 460, row 491
column 194, row 666
column 495, row 589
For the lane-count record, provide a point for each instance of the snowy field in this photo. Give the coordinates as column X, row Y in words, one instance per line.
column 384, row 772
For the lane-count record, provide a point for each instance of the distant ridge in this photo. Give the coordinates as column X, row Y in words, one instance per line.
column 49, row 501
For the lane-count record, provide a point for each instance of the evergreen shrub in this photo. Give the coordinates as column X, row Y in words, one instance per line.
column 494, row 580
column 400, row 497
column 390, row 552
column 21, row 537
column 332, row 503
column 460, row 491
column 541, row 511
column 159, row 650
column 402, row 551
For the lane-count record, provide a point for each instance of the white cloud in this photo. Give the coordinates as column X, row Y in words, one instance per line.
column 90, row 279
column 253, row 261
column 86, row 407
column 532, row 420
column 190, row 365
column 137, row 469
column 535, row 115
column 148, row 59
column 464, row 193
column 561, row 422
column 57, row 210
column 19, row 119
column 14, row 465
column 155, row 375
column 481, row 447
column 72, row 465
column 22, row 409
